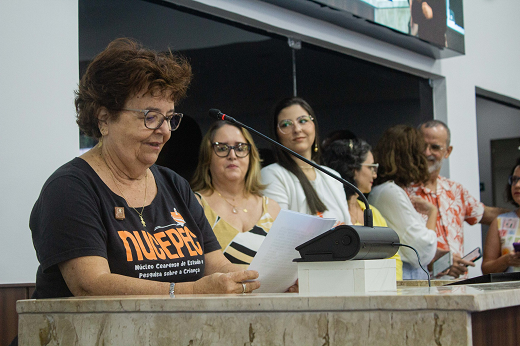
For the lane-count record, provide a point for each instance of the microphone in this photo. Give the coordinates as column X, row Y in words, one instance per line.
column 342, row 242
column 367, row 215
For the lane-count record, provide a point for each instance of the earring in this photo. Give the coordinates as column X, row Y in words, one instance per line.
column 103, row 131
column 315, row 147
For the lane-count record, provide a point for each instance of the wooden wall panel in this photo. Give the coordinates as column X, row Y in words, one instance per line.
column 496, row 327
column 9, row 294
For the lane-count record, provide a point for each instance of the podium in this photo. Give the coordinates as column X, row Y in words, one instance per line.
column 447, row 315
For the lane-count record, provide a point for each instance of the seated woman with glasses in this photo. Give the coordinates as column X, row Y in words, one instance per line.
column 294, row 184
column 502, row 247
column 400, row 153
column 227, row 182
column 353, row 159
column 111, row 222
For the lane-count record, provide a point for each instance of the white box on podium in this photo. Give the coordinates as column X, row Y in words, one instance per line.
column 340, row 277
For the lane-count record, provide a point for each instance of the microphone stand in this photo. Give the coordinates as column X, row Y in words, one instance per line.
column 367, row 214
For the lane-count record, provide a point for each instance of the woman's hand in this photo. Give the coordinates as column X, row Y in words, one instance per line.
column 221, row 283
column 512, row 259
column 422, row 206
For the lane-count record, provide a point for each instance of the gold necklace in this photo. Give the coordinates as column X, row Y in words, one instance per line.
column 356, row 211
column 235, row 211
column 122, row 194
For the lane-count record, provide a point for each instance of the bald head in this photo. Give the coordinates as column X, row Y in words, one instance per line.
column 437, row 123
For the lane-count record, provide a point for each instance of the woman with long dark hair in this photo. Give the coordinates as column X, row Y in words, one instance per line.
column 294, row 184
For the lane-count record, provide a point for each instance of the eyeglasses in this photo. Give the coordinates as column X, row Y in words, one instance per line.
column 513, row 180
column 223, row 149
column 153, row 119
column 372, row 166
column 434, row 148
column 287, row 125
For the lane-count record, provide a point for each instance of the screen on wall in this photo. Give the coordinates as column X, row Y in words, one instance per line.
column 430, row 27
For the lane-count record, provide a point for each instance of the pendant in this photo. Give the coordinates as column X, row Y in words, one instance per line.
column 245, row 210
column 235, row 211
column 119, row 213
column 142, row 221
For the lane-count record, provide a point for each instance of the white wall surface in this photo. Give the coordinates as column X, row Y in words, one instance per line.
column 495, row 121
column 40, row 67
column 38, row 74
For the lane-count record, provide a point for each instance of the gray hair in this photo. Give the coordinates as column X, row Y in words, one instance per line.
column 435, row 123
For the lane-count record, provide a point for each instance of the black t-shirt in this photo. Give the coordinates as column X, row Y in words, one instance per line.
column 75, row 216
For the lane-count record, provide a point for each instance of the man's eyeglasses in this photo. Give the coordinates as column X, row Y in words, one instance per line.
column 435, row 148
column 513, row 180
column 372, row 166
column 286, row 126
column 153, row 119
column 223, row 149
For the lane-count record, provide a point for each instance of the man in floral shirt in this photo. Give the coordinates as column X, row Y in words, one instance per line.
column 454, row 203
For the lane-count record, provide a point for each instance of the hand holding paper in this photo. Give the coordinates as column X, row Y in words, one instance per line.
column 274, row 259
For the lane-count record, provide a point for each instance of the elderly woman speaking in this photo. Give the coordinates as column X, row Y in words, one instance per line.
column 110, row 222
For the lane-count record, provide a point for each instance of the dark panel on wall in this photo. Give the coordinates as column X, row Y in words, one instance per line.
column 9, row 294
column 244, row 71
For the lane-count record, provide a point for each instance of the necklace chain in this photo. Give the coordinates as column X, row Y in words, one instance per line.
column 145, row 190
column 235, row 211
column 356, row 211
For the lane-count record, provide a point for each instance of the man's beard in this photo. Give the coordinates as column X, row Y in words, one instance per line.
column 436, row 164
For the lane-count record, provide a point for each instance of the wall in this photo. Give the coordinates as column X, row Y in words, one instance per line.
column 40, row 69
column 38, row 73
column 495, row 121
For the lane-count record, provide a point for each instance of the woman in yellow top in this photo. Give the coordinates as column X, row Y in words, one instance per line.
column 227, row 183
column 353, row 159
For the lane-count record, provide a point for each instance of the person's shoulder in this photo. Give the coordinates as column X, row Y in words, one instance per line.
column 76, row 168
column 167, row 173
column 374, row 209
column 330, row 170
column 447, row 183
column 168, row 177
column 387, row 192
column 377, row 216
column 273, row 167
column 274, row 170
column 451, row 185
column 387, row 186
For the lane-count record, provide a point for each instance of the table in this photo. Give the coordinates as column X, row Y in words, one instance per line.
column 441, row 315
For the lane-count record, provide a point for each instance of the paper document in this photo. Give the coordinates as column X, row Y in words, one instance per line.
column 274, row 259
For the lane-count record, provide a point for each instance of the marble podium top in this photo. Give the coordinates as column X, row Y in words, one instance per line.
column 479, row 297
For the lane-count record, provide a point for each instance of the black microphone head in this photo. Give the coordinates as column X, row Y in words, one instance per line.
column 215, row 113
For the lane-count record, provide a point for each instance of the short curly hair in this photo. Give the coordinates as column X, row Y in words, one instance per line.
column 346, row 156
column 120, row 72
column 400, row 154
column 509, row 195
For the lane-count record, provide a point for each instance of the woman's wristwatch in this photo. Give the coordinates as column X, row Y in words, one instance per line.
column 172, row 289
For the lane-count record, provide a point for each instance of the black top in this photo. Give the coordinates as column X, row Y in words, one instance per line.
column 75, row 216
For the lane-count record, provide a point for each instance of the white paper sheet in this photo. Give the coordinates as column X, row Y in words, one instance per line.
column 274, row 259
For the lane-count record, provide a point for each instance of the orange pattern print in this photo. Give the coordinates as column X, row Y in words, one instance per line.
column 455, row 206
